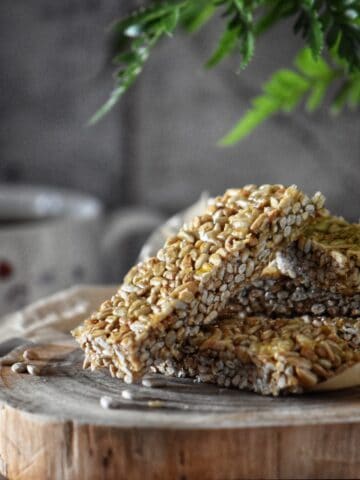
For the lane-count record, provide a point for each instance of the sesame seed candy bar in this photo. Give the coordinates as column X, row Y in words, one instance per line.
column 269, row 356
column 166, row 298
column 327, row 254
column 288, row 297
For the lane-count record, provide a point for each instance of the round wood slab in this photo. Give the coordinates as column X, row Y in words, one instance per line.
column 53, row 427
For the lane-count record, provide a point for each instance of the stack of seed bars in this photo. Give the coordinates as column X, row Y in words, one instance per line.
column 192, row 310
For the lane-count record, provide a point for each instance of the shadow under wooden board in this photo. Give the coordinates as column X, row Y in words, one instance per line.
column 53, row 427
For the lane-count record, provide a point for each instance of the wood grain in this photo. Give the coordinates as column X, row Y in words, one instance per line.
column 67, row 450
column 52, row 427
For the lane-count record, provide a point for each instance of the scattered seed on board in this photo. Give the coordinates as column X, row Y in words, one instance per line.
column 18, row 367
column 30, row 355
column 33, row 369
column 127, row 395
column 155, row 403
column 156, row 382
column 106, row 402
column 153, row 382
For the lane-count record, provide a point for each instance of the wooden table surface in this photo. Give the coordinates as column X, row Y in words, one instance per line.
column 53, row 427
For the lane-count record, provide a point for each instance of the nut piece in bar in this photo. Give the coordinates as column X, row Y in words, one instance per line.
column 269, row 356
column 327, row 254
column 166, row 299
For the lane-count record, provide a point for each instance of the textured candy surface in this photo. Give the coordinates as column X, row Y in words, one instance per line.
column 167, row 298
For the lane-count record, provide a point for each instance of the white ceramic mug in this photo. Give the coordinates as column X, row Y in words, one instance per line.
column 51, row 239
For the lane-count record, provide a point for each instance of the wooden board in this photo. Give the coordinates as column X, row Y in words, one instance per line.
column 53, row 427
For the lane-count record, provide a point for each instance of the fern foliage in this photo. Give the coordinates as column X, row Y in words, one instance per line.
column 330, row 57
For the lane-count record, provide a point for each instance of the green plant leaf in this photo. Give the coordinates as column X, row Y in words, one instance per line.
column 247, row 49
column 263, row 109
column 347, row 95
column 226, row 45
column 275, row 11
column 115, row 96
column 283, row 92
column 354, row 93
column 316, row 36
column 311, row 67
column 171, row 21
column 316, row 96
column 143, row 16
column 197, row 15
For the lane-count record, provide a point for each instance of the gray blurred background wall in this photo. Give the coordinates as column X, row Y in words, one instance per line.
column 158, row 147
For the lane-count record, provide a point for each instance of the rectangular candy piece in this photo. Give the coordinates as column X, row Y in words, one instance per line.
column 166, row 299
column 269, row 356
column 327, row 255
column 288, row 297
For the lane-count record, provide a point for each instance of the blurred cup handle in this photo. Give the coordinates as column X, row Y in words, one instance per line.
column 126, row 231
